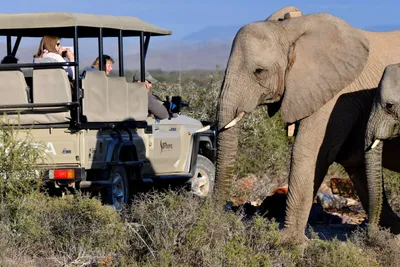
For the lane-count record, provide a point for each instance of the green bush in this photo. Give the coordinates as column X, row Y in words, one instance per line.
column 264, row 147
column 20, row 157
column 64, row 231
column 179, row 230
column 202, row 96
column 392, row 187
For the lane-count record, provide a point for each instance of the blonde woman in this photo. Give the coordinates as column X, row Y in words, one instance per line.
column 51, row 50
column 107, row 62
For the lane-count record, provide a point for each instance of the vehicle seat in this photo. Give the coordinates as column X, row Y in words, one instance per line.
column 51, row 86
column 138, row 102
column 13, row 92
column 113, row 99
column 94, row 103
column 13, row 88
column 117, row 98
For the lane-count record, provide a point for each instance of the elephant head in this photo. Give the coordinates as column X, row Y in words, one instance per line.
column 301, row 62
column 383, row 124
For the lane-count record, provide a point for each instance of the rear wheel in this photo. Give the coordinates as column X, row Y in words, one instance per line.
column 202, row 183
column 118, row 193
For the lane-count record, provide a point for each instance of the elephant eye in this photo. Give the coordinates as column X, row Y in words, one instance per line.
column 258, row 71
column 389, row 105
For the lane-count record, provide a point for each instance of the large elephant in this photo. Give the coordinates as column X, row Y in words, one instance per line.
column 321, row 71
column 383, row 124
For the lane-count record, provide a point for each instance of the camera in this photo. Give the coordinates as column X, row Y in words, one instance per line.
column 174, row 104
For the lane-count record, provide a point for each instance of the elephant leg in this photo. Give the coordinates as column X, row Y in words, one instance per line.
column 306, row 176
column 388, row 218
column 319, row 140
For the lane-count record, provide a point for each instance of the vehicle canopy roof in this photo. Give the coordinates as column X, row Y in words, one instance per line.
column 63, row 24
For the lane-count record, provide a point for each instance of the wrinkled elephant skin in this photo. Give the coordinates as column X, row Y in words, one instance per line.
column 383, row 124
column 322, row 71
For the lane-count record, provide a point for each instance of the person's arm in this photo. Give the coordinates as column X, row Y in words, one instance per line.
column 156, row 108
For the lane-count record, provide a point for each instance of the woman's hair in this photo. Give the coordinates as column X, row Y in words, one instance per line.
column 96, row 63
column 47, row 43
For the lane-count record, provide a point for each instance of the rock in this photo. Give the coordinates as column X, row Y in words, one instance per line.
column 331, row 201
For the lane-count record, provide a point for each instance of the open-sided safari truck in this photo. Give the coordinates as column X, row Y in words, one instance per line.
column 96, row 129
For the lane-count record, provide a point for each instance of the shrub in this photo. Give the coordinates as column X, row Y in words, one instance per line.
column 20, row 158
column 180, row 230
column 336, row 253
column 392, row 187
column 59, row 231
column 202, row 96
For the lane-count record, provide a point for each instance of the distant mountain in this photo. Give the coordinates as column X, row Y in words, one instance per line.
column 213, row 33
column 205, row 57
column 204, row 49
column 383, row 28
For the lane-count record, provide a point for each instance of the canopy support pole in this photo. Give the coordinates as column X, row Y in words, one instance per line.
column 101, row 62
column 77, row 96
column 142, row 58
column 8, row 45
column 121, row 54
column 16, row 45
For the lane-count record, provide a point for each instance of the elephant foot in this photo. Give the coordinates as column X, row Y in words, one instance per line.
column 293, row 237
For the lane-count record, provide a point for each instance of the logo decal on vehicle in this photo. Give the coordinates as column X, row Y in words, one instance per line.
column 66, row 151
column 50, row 148
column 165, row 146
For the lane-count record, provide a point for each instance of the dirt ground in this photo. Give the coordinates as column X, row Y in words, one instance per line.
column 334, row 213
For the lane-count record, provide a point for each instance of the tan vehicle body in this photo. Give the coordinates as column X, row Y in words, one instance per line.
column 98, row 132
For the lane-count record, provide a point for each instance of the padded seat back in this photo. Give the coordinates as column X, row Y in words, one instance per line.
column 117, row 98
column 51, row 86
column 96, row 93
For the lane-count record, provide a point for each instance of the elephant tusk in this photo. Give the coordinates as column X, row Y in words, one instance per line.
column 203, row 129
column 235, row 120
column 376, row 142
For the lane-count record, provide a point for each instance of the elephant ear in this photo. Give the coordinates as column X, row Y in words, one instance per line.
column 280, row 14
column 326, row 55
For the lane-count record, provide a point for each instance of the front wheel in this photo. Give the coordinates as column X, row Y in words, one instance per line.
column 118, row 193
column 202, row 183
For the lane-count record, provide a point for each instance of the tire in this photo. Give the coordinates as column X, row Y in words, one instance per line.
column 117, row 194
column 202, row 183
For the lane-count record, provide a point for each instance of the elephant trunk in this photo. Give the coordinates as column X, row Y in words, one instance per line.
column 373, row 161
column 373, row 158
column 229, row 109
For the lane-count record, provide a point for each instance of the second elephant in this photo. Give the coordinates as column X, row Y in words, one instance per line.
column 383, row 125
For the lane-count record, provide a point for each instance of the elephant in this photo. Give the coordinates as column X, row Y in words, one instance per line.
column 383, row 125
column 321, row 73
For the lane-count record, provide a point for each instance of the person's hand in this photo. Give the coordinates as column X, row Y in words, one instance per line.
column 68, row 53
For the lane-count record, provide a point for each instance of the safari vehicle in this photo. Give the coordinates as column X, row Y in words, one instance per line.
column 96, row 129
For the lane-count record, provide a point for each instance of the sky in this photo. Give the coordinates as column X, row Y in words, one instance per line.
column 186, row 16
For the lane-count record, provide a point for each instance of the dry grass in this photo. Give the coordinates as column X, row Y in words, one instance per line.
column 165, row 229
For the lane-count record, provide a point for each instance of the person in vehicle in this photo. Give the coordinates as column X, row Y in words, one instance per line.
column 51, row 50
column 155, row 106
column 107, row 63
column 9, row 59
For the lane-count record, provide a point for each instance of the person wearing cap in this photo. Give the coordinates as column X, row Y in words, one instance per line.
column 155, row 106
